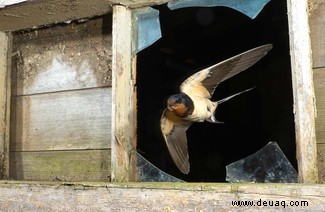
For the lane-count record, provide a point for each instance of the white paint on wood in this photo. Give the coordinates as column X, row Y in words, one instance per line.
column 62, row 58
column 124, row 97
column 60, row 75
column 61, row 121
column 303, row 90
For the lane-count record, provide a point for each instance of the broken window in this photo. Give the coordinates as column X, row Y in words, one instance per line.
column 195, row 38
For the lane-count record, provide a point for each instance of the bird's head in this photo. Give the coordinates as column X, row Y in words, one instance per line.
column 180, row 104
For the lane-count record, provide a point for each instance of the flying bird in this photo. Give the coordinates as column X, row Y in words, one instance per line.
column 193, row 103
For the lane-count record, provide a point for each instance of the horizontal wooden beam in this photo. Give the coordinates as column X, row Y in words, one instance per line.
column 36, row 14
column 159, row 196
column 43, row 13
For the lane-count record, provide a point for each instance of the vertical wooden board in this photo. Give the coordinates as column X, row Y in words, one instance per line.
column 317, row 31
column 5, row 94
column 319, row 83
column 60, row 121
column 303, row 90
column 321, row 162
column 64, row 57
column 86, row 165
column 123, row 127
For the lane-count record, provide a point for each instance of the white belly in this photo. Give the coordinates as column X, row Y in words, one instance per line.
column 203, row 109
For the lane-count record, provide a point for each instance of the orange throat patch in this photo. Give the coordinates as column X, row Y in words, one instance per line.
column 178, row 109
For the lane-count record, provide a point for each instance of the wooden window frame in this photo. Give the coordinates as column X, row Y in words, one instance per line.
column 303, row 91
column 124, row 94
column 302, row 85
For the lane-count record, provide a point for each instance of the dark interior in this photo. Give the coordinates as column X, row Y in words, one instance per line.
column 194, row 38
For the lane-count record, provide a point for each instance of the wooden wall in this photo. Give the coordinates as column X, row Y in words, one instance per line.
column 317, row 31
column 61, row 103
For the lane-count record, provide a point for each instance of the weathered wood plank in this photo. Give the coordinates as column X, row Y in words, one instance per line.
column 317, row 31
column 303, row 90
column 124, row 96
column 57, row 58
column 60, row 121
column 321, row 162
column 159, row 197
column 5, row 95
column 319, row 83
column 40, row 13
column 103, row 23
column 44, row 13
column 86, row 165
column 139, row 3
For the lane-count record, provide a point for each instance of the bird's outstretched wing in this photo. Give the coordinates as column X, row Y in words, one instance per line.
column 204, row 82
column 174, row 129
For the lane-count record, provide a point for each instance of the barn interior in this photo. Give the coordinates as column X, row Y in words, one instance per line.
column 195, row 38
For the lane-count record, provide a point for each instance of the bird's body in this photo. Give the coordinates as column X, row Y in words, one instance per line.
column 203, row 109
column 193, row 103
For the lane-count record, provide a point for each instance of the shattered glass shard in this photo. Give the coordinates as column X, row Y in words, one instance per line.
column 148, row 30
column 251, row 8
column 147, row 172
column 268, row 165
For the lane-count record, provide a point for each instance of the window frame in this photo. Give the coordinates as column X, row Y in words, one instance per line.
column 124, row 93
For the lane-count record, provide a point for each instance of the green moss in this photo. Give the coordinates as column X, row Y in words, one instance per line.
column 62, row 165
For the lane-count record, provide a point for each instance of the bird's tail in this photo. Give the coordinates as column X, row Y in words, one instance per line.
column 212, row 118
column 232, row 96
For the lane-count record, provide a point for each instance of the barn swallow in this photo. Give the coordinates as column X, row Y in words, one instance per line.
column 193, row 103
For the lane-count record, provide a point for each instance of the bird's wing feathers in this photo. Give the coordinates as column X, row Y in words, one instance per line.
column 174, row 131
column 205, row 82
